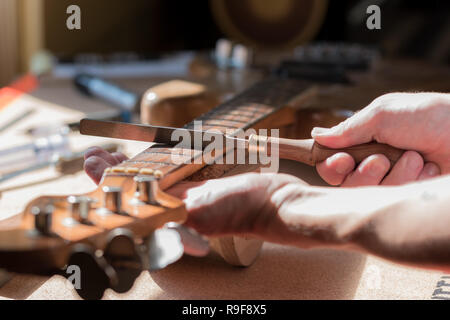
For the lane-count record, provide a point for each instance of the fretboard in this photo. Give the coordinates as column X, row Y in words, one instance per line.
column 241, row 112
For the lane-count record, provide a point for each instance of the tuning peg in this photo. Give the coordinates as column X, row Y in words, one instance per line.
column 222, row 53
column 121, row 254
column 43, row 218
column 241, row 57
column 95, row 274
column 112, row 201
column 79, row 207
column 163, row 247
column 145, row 190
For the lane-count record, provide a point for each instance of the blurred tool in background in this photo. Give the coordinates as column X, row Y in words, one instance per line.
column 48, row 151
column 16, row 119
column 56, row 127
column 126, row 101
column 148, row 29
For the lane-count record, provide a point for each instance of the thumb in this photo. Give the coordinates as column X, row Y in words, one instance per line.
column 360, row 128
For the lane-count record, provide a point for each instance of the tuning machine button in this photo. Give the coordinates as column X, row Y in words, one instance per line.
column 112, row 200
column 79, row 207
column 145, row 193
column 43, row 218
column 122, row 254
column 163, row 247
column 89, row 272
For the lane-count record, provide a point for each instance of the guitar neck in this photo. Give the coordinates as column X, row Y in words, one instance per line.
column 242, row 112
column 130, row 197
column 251, row 106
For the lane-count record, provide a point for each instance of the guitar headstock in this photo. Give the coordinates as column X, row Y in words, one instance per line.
column 107, row 233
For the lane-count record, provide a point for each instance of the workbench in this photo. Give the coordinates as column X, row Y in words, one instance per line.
column 281, row 272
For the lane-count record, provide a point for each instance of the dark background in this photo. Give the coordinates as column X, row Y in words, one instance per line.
column 418, row 28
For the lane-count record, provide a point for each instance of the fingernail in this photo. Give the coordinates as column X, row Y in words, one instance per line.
column 433, row 170
column 377, row 169
column 414, row 161
column 343, row 167
column 317, row 131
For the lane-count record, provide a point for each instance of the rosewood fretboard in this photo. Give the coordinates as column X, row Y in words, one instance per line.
column 243, row 111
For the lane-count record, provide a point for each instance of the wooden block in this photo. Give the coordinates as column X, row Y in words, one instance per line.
column 175, row 103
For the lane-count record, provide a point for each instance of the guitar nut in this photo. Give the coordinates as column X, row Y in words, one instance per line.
column 146, row 171
column 131, row 170
column 158, row 174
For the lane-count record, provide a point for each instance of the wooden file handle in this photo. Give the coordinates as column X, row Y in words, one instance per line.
column 310, row 152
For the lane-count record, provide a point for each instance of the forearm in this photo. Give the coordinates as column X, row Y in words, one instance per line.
column 414, row 230
column 408, row 224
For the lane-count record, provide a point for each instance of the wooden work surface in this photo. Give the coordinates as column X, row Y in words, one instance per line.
column 281, row 272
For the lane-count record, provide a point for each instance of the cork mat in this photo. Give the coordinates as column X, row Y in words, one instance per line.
column 281, row 272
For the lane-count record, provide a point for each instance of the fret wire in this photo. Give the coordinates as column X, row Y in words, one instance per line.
column 209, row 123
column 150, row 162
column 169, row 152
column 225, row 116
column 237, row 113
column 216, row 118
column 243, row 108
column 248, row 108
column 254, row 117
column 255, row 103
column 242, row 122
column 163, row 157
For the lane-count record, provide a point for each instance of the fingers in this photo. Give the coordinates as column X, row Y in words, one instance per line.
column 407, row 169
column 94, row 167
column 119, row 156
column 359, row 128
column 336, row 168
column 97, row 160
column 370, row 172
column 113, row 159
column 430, row 170
column 180, row 189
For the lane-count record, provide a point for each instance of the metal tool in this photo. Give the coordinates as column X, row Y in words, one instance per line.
column 125, row 100
column 54, row 128
column 38, row 151
column 18, row 118
column 64, row 164
column 141, row 132
column 305, row 150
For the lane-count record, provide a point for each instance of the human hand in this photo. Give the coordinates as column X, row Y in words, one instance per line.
column 245, row 204
column 418, row 122
column 283, row 209
column 239, row 205
column 96, row 160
